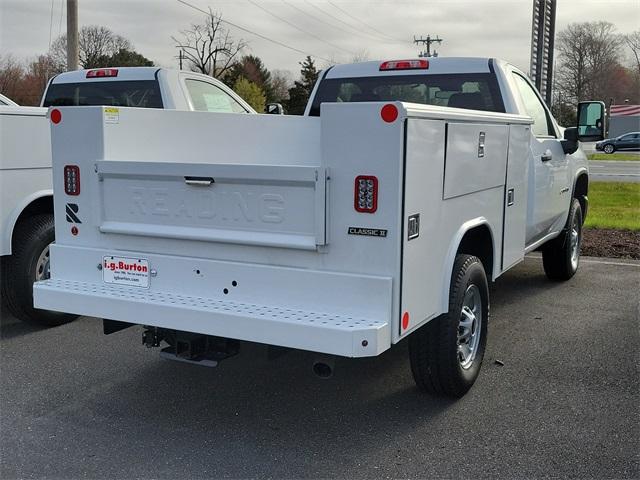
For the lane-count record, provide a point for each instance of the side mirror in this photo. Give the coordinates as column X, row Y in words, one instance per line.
column 570, row 142
column 274, row 109
column 591, row 121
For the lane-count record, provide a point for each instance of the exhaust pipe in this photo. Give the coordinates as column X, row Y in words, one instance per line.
column 323, row 366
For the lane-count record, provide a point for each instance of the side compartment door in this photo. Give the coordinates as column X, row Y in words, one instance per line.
column 515, row 200
column 549, row 188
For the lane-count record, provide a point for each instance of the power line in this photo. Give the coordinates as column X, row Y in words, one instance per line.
column 355, row 29
column 298, row 28
column 51, row 24
column 317, row 18
column 61, row 17
column 365, row 24
column 276, row 42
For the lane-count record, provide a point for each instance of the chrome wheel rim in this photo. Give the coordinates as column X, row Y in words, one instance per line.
column 470, row 327
column 574, row 242
column 43, row 271
column 608, row 149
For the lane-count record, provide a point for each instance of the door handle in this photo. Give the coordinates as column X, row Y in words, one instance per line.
column 199, row 181
column 546, row 157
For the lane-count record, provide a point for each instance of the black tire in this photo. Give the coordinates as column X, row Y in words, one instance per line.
column 609, row 148
column 558, row 255
column 434, row 349
column 30, row 239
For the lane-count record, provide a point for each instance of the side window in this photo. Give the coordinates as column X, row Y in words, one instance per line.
column 209, row 98
column 541, row 125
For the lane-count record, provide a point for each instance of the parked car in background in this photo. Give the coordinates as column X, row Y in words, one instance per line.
column 628, row 141
column 26, row 196
column 7, row 101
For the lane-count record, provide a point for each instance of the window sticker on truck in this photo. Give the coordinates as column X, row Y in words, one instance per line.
column 111, row 115
column 133, row 272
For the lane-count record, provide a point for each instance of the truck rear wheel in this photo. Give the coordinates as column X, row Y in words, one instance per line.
column 561, row 256
column 446, row 353
column 28, row 263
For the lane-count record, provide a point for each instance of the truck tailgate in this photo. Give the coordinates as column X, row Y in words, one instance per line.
column 277, row 206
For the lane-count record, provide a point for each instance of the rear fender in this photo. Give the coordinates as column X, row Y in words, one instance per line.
column 450, row 258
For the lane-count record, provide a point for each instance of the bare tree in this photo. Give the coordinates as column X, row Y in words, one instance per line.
column 11, row 73
column 208, row 46
column 361, row 55
column 281, row 82
column 589, row 58
column 95, row 42
column 633, row 42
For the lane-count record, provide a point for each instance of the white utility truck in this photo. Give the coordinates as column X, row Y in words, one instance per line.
column 382, row 214
column 26, row 196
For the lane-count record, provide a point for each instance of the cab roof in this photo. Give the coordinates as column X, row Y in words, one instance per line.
column 124, row 73
column 436, row 65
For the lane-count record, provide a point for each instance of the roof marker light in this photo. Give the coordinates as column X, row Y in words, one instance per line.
column 102, row 73
column 421, row 64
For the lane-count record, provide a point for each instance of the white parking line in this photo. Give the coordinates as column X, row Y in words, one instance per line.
column 592, row 260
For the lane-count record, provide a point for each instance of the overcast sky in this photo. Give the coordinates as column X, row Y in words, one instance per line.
column 330, row 29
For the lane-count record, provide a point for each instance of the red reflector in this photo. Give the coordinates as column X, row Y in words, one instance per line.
column 405, row 65
column 72, row 180
column 102, row 72
column 74, row 230
column 405, row 320
column 56, row 116
column 389, row 113
column 366, row 194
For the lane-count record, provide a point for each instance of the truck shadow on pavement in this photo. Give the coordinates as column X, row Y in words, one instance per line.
column 11, row 327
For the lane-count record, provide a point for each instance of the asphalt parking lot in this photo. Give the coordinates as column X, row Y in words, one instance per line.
column 566, row 402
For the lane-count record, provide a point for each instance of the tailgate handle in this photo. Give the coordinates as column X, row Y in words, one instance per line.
column 199, row 181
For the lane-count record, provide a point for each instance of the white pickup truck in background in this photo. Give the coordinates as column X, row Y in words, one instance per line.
column 382, row 214
column 26, row 204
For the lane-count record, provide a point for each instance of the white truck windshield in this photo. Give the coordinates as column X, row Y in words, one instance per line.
column 136, row 93
column 471, row 91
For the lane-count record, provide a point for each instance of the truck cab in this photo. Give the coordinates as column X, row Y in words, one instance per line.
column 143, row 87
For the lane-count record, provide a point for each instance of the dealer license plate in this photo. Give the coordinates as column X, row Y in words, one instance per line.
column 133, row 272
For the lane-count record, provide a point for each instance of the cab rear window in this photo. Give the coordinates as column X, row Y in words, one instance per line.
column 471, row 91
column 135, row 93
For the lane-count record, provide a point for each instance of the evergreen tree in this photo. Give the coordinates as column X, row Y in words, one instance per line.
column 301, row 91
column 252, row 68
column 123, row 58
column 251, row 93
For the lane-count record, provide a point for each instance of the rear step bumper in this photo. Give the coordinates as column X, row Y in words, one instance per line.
column 329, row 333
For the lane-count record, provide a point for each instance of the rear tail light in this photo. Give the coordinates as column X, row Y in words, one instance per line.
column 102, row 73
column 366, row 194
column 405, row 65
column 72, row 180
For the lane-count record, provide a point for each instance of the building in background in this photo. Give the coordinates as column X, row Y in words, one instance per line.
column 623, row 119
column 543, row 31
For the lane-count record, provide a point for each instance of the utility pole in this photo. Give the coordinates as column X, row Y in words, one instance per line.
column 72, row 35
column 427, row 41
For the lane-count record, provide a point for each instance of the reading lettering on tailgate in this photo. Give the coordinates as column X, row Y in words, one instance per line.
column 222, row 204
